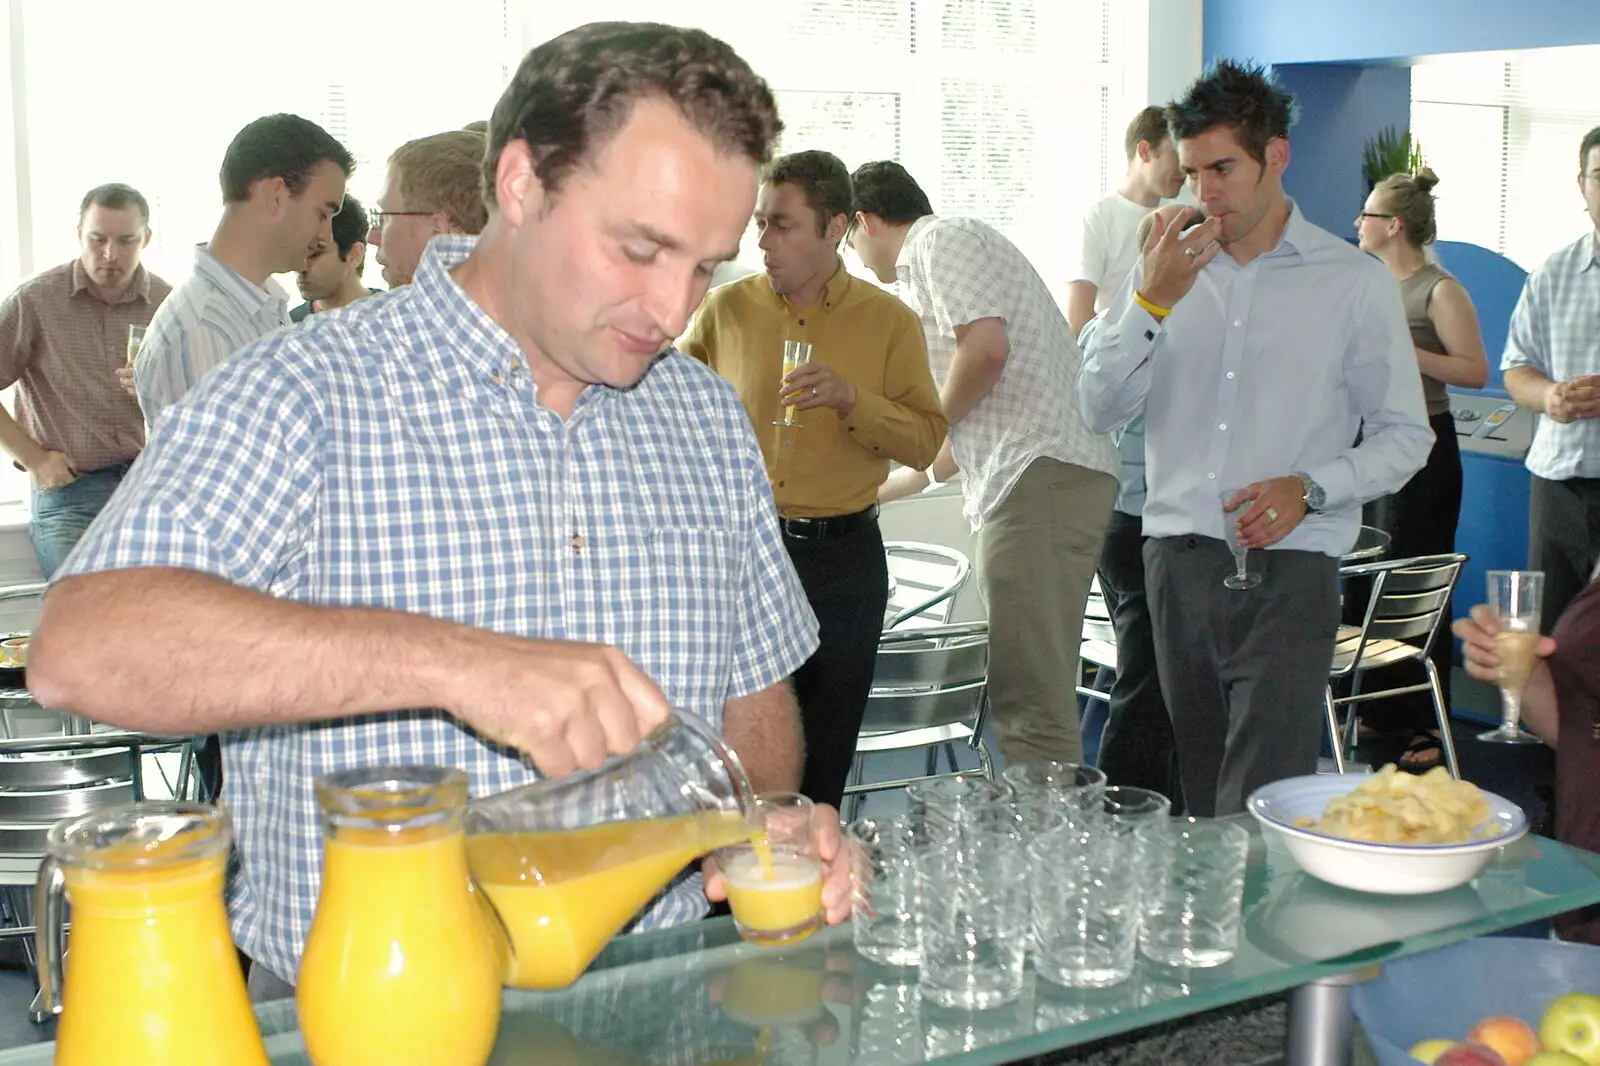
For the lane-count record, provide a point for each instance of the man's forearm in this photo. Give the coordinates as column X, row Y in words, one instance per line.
column 1527, row 386
column 21, row 447
column 175, row 651
column 763, row 729
column 973, row 374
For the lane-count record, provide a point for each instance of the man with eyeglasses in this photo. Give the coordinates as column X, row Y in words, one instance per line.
column 63, row 338
column 434, row 186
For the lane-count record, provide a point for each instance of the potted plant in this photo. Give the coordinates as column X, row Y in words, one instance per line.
column 1389, row 151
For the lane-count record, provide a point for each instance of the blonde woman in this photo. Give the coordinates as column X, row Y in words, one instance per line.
column 1396, row 224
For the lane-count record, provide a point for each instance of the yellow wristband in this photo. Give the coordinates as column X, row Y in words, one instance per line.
column 1159, row 312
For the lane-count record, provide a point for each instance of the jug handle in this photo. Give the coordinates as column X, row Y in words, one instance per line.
column 49, row 935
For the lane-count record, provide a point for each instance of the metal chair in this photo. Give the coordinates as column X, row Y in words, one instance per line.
column 929, row 690
column 1099, row 647
column 923, row 582
column 1410, row 601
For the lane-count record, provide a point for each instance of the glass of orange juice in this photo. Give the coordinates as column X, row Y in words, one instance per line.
column 775, row 879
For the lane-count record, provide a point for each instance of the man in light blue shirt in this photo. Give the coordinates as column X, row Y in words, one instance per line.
column 282, row 182
column 1552, row 366
column 1256, row 345
column 488, row 521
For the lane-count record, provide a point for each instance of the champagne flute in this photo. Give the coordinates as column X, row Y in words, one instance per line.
column 135, row 338
column 796, row 354
column 1242, row 577
column 1514, row 596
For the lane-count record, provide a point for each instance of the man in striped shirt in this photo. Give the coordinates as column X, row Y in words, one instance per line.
column 282, row 182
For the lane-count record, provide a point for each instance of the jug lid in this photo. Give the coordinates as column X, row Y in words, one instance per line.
column 148, row 833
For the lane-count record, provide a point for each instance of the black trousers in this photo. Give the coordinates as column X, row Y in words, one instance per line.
column 1136, row 748
column 846, row 579
column 1563, row 539
column 1243, row 672
column 1420, row 520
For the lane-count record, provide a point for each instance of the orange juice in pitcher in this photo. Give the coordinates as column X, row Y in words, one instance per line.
column 568, row 862
column 401, row 965
column 151, row 975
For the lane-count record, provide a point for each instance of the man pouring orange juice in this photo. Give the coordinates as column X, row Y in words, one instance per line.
column 490, row 521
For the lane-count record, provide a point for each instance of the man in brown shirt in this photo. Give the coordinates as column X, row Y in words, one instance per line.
column 63, row 336
column 1561, row 703
column 866, row 397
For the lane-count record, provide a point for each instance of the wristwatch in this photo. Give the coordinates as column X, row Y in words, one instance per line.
column 1314, row 496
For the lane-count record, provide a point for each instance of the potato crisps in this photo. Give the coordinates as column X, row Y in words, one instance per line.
column 1391, row 807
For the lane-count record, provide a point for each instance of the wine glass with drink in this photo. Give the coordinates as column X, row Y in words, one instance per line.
column 1514, row 596
column 1242, row 577
column 796, row 354
column 135, row 338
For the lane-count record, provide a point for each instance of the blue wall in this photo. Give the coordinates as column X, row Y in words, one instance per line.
column 1313, row 31
column 1340, row 105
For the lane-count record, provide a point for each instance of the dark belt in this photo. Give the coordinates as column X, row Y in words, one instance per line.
column 828, row 528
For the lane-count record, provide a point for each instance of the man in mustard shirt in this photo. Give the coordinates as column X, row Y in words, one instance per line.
column 866, row 397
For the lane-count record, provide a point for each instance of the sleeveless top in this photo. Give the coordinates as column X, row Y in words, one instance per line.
column 1415, row 292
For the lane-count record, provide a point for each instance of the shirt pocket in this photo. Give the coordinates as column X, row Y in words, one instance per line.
column 693, row 574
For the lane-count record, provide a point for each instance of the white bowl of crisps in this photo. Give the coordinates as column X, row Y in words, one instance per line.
column 1391, row 833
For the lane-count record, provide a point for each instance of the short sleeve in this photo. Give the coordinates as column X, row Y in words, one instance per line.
column 226, row 486
column 1525, row 338
column 962, row 282
column 1091, row 253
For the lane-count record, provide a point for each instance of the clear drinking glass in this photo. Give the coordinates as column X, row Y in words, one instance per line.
column 937, row 809
column 1124, row 809
column 135, row 338
column 974, row 913
column 1193, row 875
column 1085, row 907
column 796, row 354
column 1076, row 790
column 884, row 899
column 1515, row 597
column 775, row 882
column 1242, row 577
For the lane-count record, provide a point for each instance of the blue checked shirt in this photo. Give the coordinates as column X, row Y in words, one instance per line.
column 202, row 325
column 1556, row 330
column 395, row 455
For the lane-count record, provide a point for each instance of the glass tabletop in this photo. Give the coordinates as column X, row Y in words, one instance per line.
column 695, row 995
column 1371, row 542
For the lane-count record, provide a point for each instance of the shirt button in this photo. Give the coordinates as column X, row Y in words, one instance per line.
column 494, row 378
column 515, row 366
column 1222, row 425
column 1230, row 375
column 1238, row 322
column 780, row 484
column 1213, row 477
column 577, row 542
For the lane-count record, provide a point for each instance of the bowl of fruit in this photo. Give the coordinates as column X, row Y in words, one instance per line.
column 1496, row 1001
column 1391, row 833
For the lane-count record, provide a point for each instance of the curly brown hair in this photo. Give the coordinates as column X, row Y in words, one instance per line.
column 575, row 92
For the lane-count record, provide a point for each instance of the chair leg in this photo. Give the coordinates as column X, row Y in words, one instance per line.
column 1441, row 714
column 985, row 761
column 1334, row 739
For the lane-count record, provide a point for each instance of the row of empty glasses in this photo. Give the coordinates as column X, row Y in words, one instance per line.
column 1049, row 864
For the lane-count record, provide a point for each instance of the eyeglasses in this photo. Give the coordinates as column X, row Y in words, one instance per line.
column 1375, row 214
column 376, row 218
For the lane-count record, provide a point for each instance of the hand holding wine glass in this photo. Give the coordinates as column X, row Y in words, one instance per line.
column 1234, row 503
column 1514, row 611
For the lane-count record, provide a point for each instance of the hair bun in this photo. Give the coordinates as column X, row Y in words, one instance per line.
column 1425, row 178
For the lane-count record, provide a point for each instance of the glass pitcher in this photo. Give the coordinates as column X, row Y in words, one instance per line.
column 152, row 975
column 567, row 862
column 401, row 964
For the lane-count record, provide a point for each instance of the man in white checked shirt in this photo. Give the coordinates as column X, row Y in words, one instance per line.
column 486, row 521
column 1552, row 365
column 1039, row 484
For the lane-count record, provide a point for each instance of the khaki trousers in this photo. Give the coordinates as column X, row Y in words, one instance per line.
column 1037, row 555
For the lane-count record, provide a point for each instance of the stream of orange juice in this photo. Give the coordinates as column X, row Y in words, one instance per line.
column 563, row 894
column 151, row 971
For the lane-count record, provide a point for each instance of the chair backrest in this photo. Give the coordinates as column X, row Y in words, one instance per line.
column 1410, row 598
column 927, row 677
column 1097, row 615
column 923, row 582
